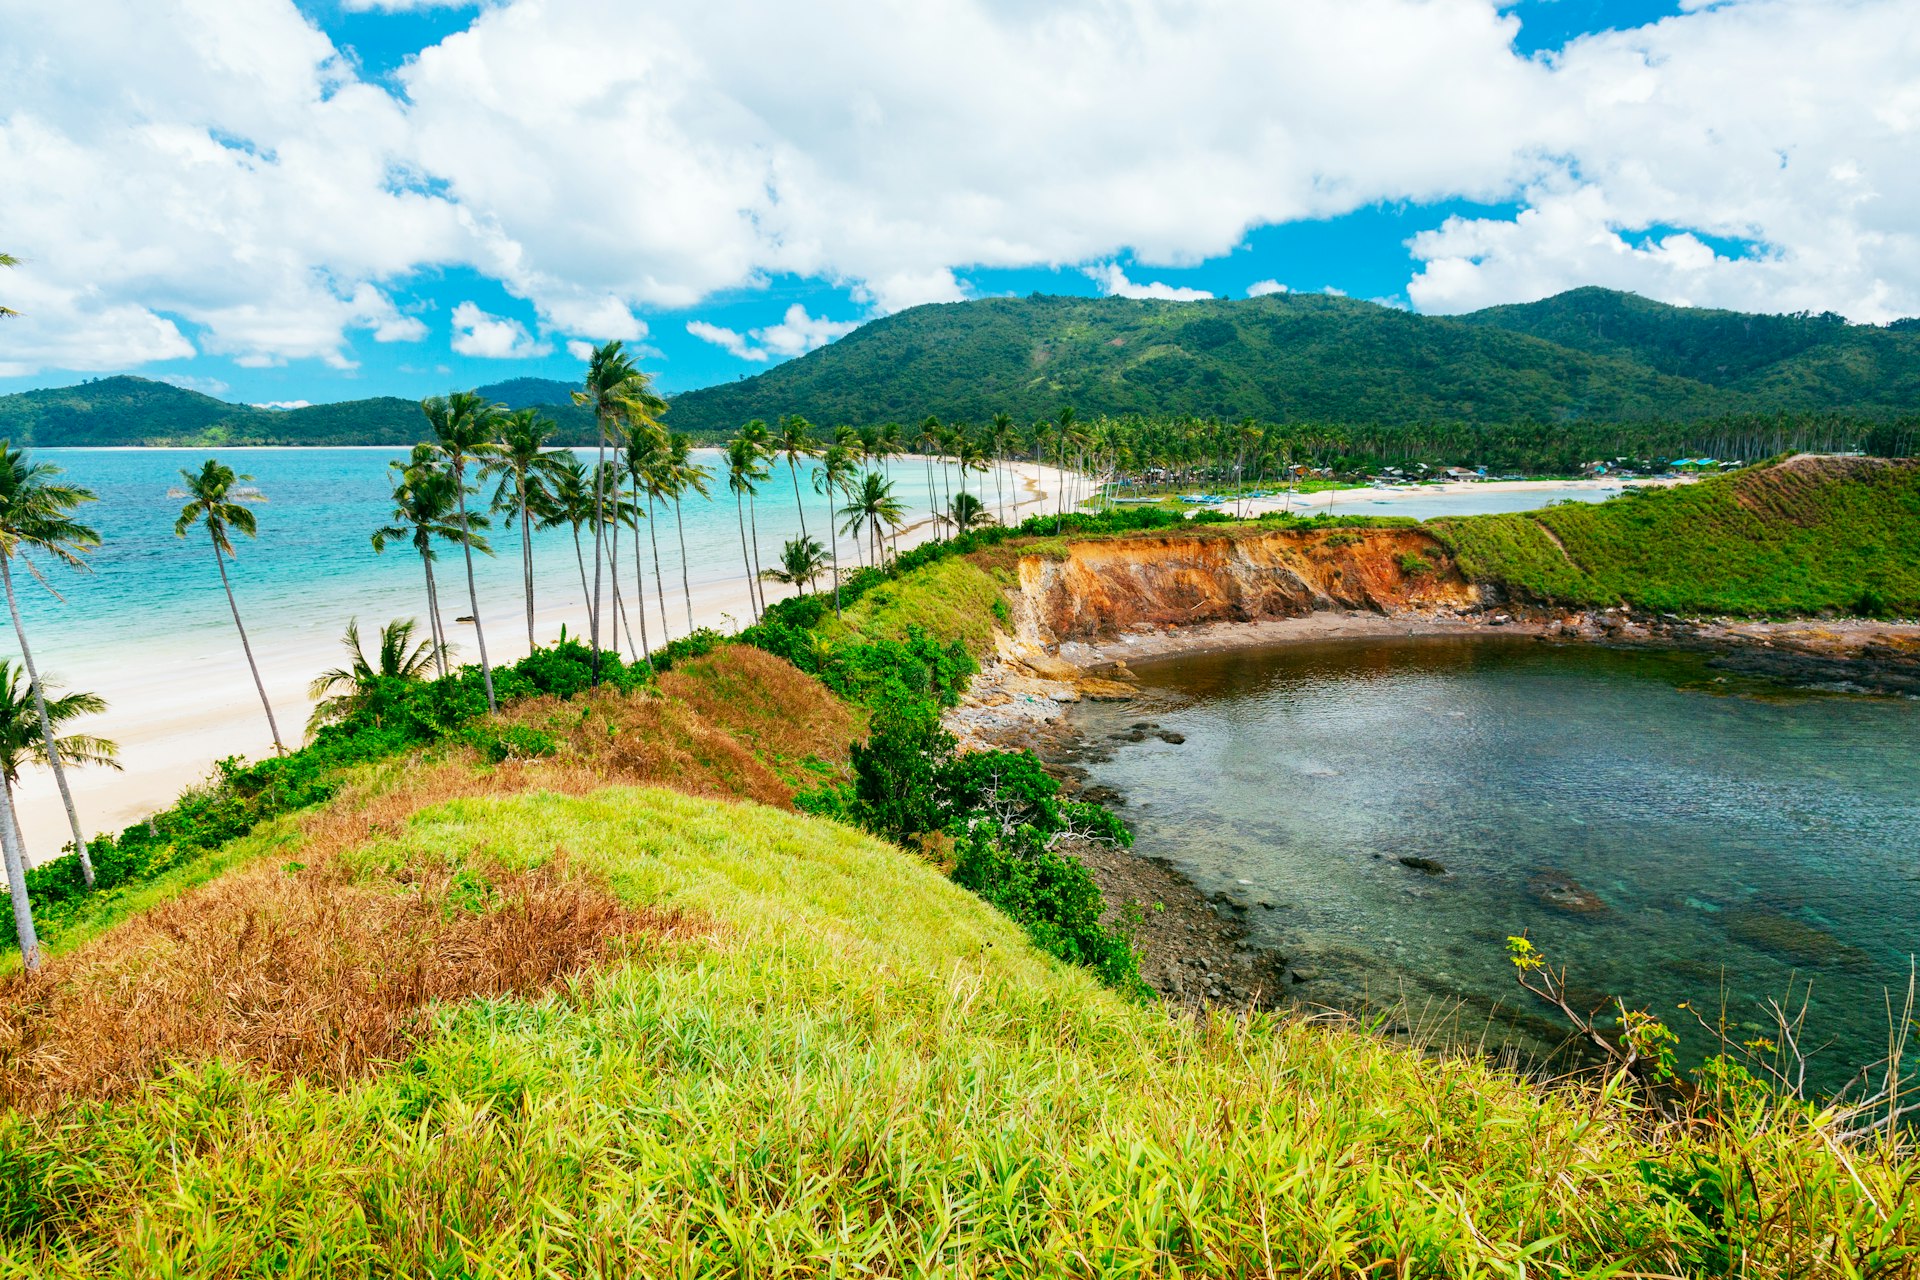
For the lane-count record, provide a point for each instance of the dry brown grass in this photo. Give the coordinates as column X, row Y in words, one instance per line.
column 301, row 970
column 308, row 969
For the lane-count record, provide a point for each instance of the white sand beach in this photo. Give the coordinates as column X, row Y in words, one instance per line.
column 175, row 712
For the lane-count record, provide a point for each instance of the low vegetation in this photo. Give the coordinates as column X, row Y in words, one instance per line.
column 1798, row 537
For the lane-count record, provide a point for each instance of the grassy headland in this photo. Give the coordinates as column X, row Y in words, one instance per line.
column 1798, row 537
column 779, row 1043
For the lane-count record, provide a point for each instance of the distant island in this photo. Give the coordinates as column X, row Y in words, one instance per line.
column 1589, row 356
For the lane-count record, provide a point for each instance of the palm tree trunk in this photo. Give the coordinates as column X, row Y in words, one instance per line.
column 640, row 585
column 659, row 579
column 800, row 506
column 836, row 551
column 753, row 526
column 621, row 614
column 580, row 559
column 593, row 610
column 16, row 859
column 526, row 560
column 686, row 587
column 433, row 620
column 473, row 591
column 247, row 648
column 46, row 724
column 746, row 561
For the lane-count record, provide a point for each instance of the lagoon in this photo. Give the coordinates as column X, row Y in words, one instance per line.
column 1659, row 828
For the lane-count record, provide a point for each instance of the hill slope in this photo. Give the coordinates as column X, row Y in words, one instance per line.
column 1590, row 354
column 126, row 410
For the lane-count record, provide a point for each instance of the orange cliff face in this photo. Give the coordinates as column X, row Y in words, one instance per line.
column 1101, row 587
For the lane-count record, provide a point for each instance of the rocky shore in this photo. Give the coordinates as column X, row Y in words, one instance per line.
column 1194, row 947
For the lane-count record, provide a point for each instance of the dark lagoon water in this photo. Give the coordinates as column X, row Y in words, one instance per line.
column 1656, row 827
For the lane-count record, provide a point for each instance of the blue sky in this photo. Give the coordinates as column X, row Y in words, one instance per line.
column 396, row 197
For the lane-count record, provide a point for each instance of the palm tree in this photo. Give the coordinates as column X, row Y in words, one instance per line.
column 8, row 260
column 743, row 472
column 619, row 513
column 968, row 512
column 795, row 439
column 836, row 469
column 28, row 720
column 339, row 692
column 1000, row 438
column 684, row 473
column 755, row 433
column 422, row 511
column 463, row 426
column 617, row 392
column 218, row 497
column 36, row 515
column 927, row 440
column 652, row 476
column 874, row 507
column 524, row 465
column 801, row 560
column 570, row 502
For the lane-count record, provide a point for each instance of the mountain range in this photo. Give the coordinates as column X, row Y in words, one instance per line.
column 1586, row 355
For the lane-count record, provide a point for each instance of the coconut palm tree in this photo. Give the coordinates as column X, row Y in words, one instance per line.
column 836, row 470
column 422, row 511
column 8, row 260
column 570, row 503
column 927, row 440
column 219, row 498
column 743, row 472
column 683, row 473
column 646, row 461
column 968, row 512
column 873, row 507
column 341, row 691
column 619, row 512
column 29, row 720
column 794, row 438
column 36, row 514
column 524, row 465
column 801, row 561
column 463, row 429
column 755, row 433
column 619, row 395
column 1001, row 434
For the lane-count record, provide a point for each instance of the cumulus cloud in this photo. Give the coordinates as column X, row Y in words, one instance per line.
column 283, row 404
column 1114, row 283
column 491, row 337
column 189, row 382
column 403, row 6
column 222, row 179
column 795, row 335
column 1261, row 288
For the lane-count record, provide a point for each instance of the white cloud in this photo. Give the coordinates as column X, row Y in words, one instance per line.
column 580, row 349
column 1332, row 292
column 1114, row 283
column 221, row 178
column 283, row 404
column 1261, row 288
column 491, row 337
column 733, row 340
column 795, row 335
column 403, row 6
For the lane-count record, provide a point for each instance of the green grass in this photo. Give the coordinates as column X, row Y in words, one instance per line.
column 952, row 598
column 1792, row 539
column 865, row 1070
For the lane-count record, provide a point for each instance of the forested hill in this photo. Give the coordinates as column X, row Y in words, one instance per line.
column 1591, row 354
column 139, row 411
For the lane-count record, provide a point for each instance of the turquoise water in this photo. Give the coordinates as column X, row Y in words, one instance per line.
column 1654, row 826
column 312, row 565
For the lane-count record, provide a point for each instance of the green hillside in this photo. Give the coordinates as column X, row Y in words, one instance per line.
column 1796, row 538
column 1797, row 363
column 1277, row 358
column 126, row 410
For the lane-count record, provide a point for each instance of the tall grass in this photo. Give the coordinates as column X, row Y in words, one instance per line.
column 870, row 1072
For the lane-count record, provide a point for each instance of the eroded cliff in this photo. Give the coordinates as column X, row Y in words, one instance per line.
column 1097, row 588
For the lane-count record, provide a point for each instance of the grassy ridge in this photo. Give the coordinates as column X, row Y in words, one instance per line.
column 866, row 1070
column 1798, row 537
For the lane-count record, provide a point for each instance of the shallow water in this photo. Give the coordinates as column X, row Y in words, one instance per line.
column 1650, row 824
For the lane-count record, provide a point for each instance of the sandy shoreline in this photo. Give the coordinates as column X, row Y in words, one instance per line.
column 174, row 713
column 1348, row 501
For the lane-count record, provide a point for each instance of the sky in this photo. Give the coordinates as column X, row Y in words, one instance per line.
column 287, row 201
